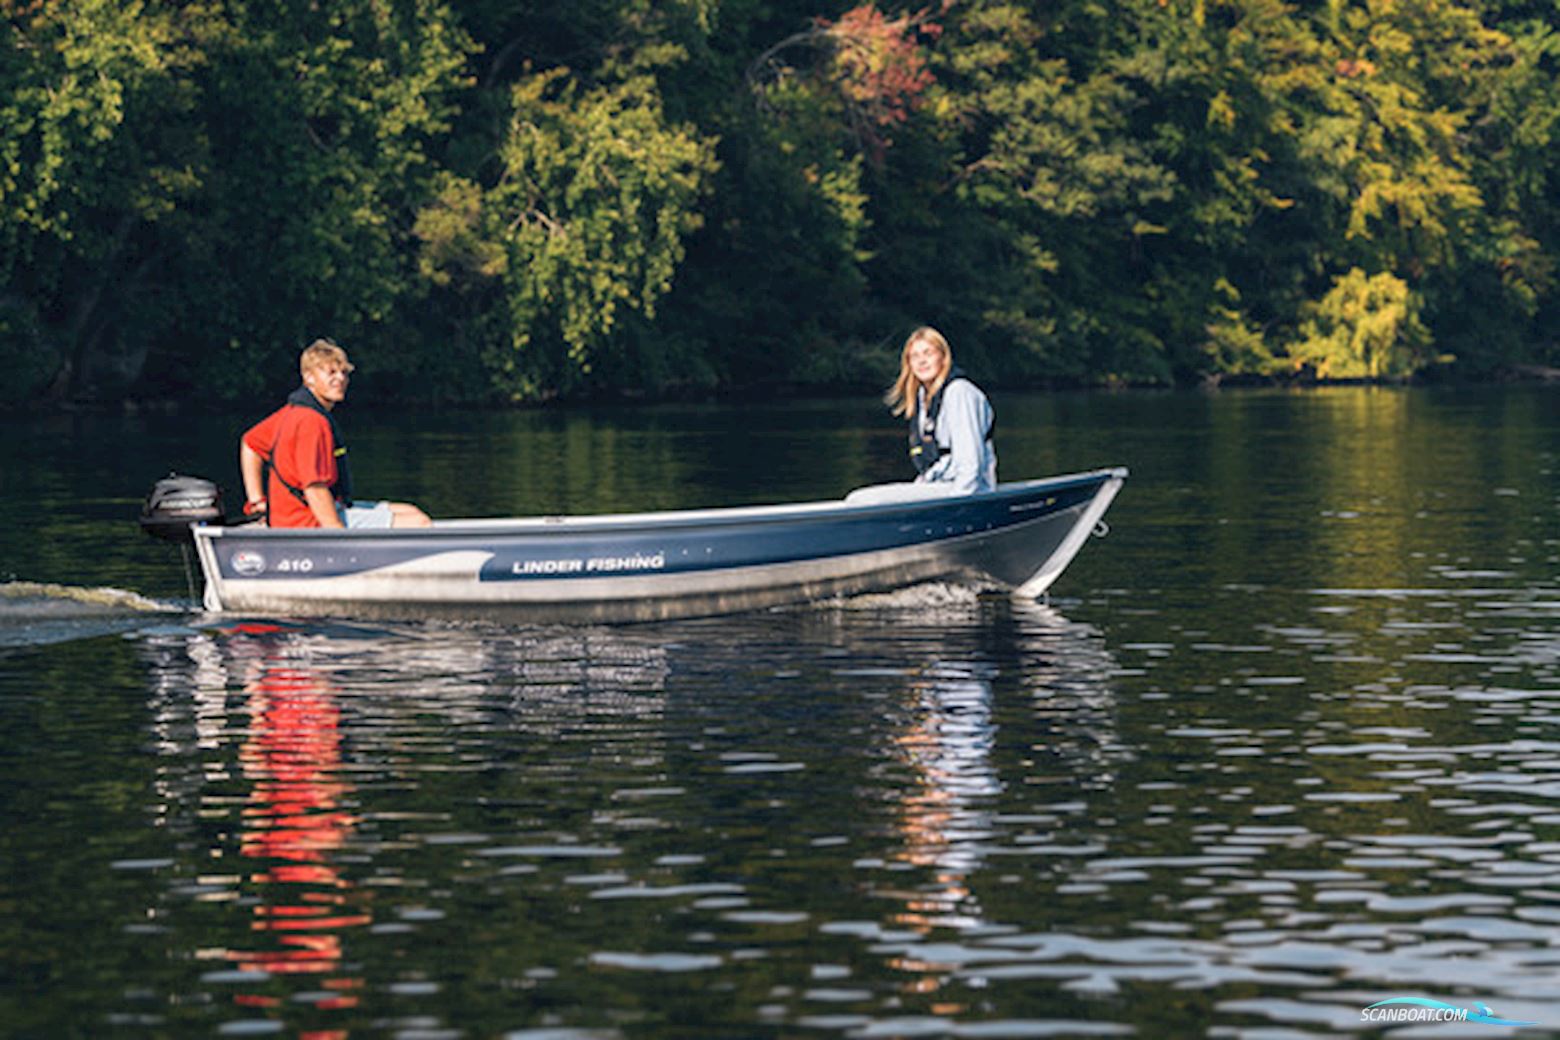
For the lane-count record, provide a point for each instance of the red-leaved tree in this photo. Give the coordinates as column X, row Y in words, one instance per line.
column 876, row 64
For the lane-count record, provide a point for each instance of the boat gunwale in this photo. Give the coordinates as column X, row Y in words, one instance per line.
column 589, row 523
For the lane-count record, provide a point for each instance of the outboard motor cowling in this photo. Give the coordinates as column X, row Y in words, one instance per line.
column 176, row 502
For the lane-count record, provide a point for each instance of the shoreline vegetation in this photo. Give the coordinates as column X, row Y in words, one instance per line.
column 1531, row 375
column 500, row 203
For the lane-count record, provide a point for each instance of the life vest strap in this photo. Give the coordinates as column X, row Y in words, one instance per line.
column 303, row 398
column 925, row 452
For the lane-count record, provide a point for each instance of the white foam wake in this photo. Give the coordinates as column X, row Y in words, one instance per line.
column 37, row 613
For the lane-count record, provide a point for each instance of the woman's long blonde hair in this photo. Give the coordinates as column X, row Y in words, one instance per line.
column 900, row 397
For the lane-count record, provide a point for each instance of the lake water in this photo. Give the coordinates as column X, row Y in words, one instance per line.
column 1284, row 745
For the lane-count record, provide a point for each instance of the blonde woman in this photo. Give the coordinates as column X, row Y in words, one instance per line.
column 950, row 424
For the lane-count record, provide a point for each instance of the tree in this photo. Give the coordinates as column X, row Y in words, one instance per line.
column 1367, row 326
column 96, row 155
column 515, row 200
column 587, row 218
column 323, row 121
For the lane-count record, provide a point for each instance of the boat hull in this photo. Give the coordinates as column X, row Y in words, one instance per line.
column 656, row 566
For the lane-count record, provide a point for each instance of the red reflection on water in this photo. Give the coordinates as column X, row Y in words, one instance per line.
column 293, row 825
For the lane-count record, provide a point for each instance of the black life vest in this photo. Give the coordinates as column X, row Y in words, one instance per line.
column 342, row 488
column 924, row 449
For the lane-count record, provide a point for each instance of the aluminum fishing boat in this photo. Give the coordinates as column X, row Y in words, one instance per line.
column 648, row 566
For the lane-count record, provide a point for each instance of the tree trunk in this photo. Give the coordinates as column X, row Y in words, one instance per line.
column 77, row 342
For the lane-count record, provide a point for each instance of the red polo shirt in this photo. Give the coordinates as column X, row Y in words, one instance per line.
column 304, row 454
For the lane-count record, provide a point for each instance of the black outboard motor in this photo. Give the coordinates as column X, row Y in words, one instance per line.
column 176, row 502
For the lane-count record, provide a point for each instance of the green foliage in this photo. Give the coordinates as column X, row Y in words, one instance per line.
column 1367, row 326
column 1234, row 346
column 28, row 362
column 71, row 71
column 322, row 119
column 95, row 157
column 517, row 200
column 1042, row 128
column 594, row 198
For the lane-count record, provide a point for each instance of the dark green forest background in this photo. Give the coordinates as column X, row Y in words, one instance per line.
column 515, row 200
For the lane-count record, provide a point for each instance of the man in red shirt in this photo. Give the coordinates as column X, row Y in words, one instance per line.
column 310, row 482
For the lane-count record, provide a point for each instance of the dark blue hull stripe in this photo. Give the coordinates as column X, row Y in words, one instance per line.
column 705, row 544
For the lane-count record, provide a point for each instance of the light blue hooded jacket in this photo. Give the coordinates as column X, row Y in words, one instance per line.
column 969, row 462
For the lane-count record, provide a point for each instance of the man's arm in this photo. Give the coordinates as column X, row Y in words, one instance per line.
column 322, row 505
column 250, row 465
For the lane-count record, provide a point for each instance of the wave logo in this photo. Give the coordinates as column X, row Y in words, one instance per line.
column 247, row 563
column 1421, row 1009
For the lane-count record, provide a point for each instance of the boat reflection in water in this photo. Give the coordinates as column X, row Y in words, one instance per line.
column 957, row 813
column 293, row 747
column 285, row 774
column 296, row 820
column 569, row 815
column 946, row 816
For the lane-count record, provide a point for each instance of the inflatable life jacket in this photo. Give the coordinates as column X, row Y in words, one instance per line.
column 924, row 449
column 342, row 488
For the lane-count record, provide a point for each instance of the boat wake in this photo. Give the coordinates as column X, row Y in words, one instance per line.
column 37, row 613
column 931, row 595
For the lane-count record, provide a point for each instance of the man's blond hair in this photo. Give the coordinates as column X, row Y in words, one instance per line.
column 322, row 353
